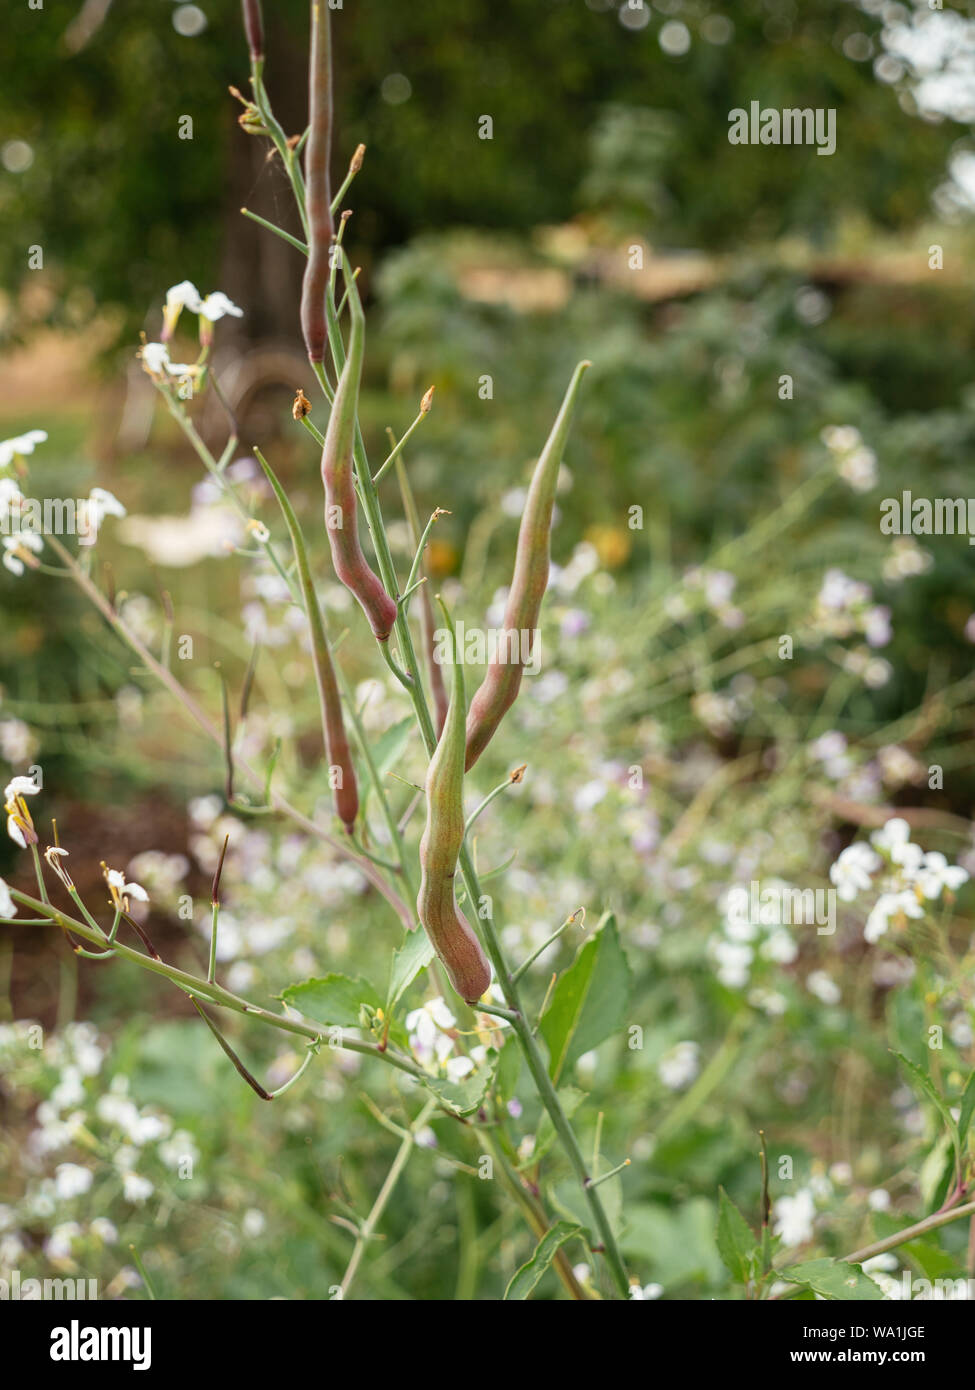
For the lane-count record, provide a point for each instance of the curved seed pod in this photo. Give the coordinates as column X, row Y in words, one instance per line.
column 318, row 187
column 333, row 722
column 351, row 565
column 450, row 934
column 499, row 689
column 254, row 28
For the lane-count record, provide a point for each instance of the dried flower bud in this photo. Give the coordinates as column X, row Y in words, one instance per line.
column 427, row 401
column 301, row 405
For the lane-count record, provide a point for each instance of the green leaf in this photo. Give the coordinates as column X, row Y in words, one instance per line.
column 736, row 1243
column 333, row 999
column 524, row 1280
column 833, row 1279
column 464, row 1097
column 414, row 955
column 571, row 1098
column 967, row 1109
column 589, row 1002
column 938, row 1101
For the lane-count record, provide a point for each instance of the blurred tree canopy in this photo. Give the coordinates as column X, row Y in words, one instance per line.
column 122, row 206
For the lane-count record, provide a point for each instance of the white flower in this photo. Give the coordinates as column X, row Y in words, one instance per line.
column 185, row 295
column 780, row 947
column 936, row 873
column 458, row 1068
column 216, row 305
column 879, row 1199
column 851, row 872
column 71, row 1180
column 136, row 1189
column 678, row 1067
column 426, row 1029
column 155, row 358
column 859, row 469
column 104, row 1230
column 826, row 990
column 794, row 1217
column 253, row 1223
column 646, row 1294
column 102, row 503
column 893, row 838
column 840, row 439
column 20, row 548
column 839, row 591
column 8, row 908
column 880, row 1263
column 179, row 1149
column 890, row 905
column 59, row 1242
column 10, row 499
column 733, row 961
column 120, row 890
column 20, row 446
column 20, row 827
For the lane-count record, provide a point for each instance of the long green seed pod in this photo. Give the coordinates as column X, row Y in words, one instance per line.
column 499, row 689
column 450, row 934
column 318, row 154
column 254, row 28
column 333, row 723
column 341, row 509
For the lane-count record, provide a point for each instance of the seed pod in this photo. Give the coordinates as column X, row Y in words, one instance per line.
column 333, row 723
column 450, row 934
column 499, row 689
column 351, row 565
column 318, row 187
column 254, row 28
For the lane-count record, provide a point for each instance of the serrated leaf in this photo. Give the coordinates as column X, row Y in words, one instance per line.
column 938, row 1101
column 524, row 1280
column 589, row 1002
column 571, row 1098
column 334, row 999
column 737, row 1246
column 833, row 1279
column 414, row 955
column 464, row 1097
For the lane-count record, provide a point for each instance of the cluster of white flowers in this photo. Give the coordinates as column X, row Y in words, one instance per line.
column 907, row 878
column 716, row 587
column 74, row 1114
column 855, row 463
column 845, row 607
column 745, row 941
column 432, row 1040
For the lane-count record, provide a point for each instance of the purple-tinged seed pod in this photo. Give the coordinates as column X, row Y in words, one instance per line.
column 499, row 689
column 341, row 508
column 318, row 188
column 451, row 935
column 254, row 28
